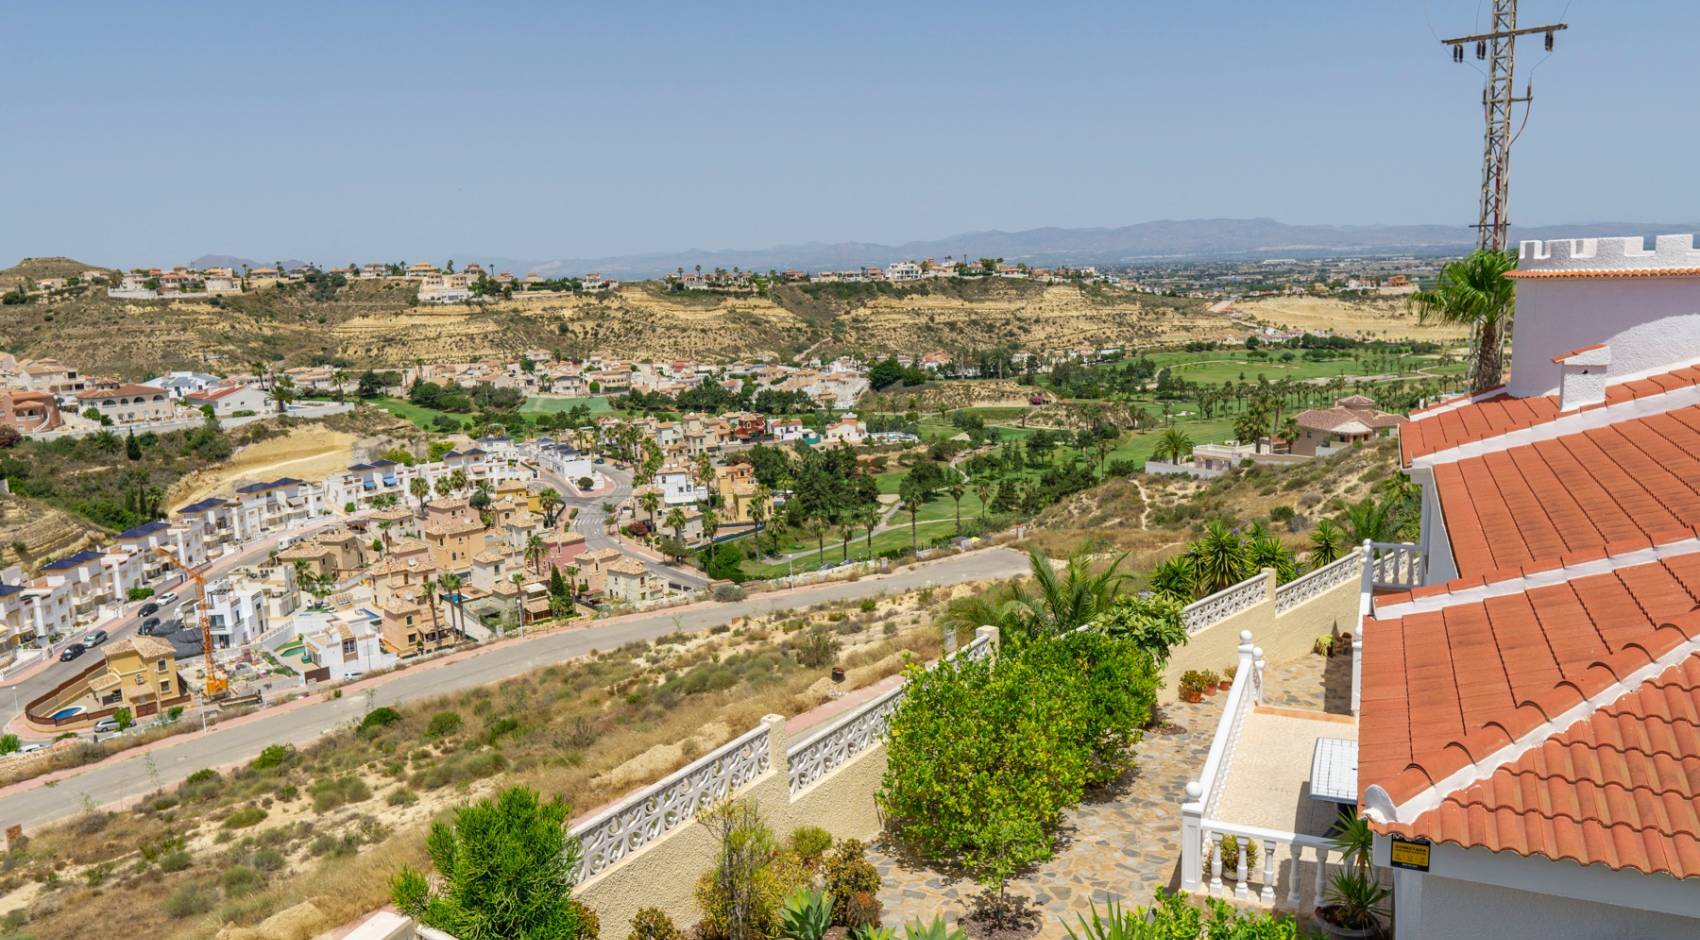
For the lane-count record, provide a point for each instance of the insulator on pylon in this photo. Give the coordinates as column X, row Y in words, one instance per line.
column 1549, row 40
column 1457, row 53
column 1481, row 49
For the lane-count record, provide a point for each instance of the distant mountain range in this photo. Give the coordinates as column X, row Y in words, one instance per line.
column 1166, row 240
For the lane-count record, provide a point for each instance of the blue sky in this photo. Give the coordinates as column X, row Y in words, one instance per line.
column 152, row 133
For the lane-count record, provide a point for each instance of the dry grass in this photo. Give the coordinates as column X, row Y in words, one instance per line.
column 1385, row 318
column 310, row 453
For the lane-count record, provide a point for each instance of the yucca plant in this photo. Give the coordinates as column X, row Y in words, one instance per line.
column 1113, row 924
column 806, row 915
column 872, row 932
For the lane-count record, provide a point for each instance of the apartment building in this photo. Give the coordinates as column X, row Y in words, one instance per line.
column 237, row 609
column 129, row 404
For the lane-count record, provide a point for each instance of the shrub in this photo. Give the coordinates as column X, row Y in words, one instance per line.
column 402, row 796
column 443, row 724
column 847, row 873
column 190, row 900
column 9, row 744
column 269, row 860
column 244, row 817
column 817, row 649
column 1152, row 622
column 175, row 860
column 520, row 883
column 862, row 912
column 589, row 925
column 740, row 897
column 380, row 717
column 810, row 843
column 202, row 775
column 868, row 605
column 240, row 880
column 333, row 792
column 727, row 593
column 652, row 923
column 275, row 755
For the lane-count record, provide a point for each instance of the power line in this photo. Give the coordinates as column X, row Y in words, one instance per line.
column 1498, row 47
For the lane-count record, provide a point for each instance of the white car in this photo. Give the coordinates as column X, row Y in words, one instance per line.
column 168, row 597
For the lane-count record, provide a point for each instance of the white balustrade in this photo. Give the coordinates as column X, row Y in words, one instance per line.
column 832, row 746
column 1280, row 854
column 1319, row 582
column 631, row 824
column 1225, row 603
column 1395, row 565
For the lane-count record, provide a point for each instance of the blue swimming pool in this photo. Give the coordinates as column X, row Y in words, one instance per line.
column 64, row 713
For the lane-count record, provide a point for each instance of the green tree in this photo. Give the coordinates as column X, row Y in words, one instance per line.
column 420, row 490
column 912, row 495
column 1475, row 292
column 1173, row 445
column 1327, row 543
column 1219, row 559
column 507, row 872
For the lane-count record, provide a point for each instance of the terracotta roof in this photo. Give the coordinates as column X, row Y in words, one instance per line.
column 1446, row 689
column 1434, row 430
column 1633, row 482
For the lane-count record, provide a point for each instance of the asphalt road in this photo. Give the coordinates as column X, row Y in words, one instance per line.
column 126, row 777
column 592, row 523
column 25, row 690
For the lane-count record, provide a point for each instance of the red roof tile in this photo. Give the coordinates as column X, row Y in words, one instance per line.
column 1620, row 487
column 1435, row 430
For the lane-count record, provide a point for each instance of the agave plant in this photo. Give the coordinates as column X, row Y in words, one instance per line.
column 806, row 915
column 872, row 932
column 937, row 930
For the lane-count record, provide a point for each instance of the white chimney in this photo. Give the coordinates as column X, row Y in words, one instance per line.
column 1583, row 376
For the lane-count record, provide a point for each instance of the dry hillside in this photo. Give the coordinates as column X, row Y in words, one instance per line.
column 379, row 324
column 1382, row 318
column 34, row 269
column 32, row 532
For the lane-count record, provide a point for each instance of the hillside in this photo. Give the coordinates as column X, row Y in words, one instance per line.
column 34, row 269
column 378, row 324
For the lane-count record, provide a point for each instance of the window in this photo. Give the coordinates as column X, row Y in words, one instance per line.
column 165, row 688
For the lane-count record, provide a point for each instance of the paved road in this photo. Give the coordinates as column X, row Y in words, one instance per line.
column 38, row 682
column 126, row 777
column 592, row 523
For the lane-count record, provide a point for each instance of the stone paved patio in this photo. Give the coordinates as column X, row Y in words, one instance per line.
column 1122, row 845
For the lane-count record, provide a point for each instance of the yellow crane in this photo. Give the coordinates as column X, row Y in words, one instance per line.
column 216, row 684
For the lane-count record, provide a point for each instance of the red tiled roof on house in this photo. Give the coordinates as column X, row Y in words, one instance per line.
column 1438, row 429
column 1445, row 690
column 1633, row 482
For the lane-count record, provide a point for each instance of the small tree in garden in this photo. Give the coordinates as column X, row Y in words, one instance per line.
column 507, row 872
column 1151, row 622
column 740, row 898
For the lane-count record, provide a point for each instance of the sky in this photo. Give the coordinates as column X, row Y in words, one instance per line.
column 154, row 133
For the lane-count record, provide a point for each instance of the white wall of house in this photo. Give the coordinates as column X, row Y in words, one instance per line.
column 1453, row 908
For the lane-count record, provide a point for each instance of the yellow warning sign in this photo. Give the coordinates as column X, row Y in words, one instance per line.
column 1411, row 856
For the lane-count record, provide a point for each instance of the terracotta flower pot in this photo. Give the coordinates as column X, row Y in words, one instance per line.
column 1192, row 696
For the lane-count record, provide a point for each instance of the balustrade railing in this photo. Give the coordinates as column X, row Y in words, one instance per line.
column 1203, row 794
column 1233, row 872
column 1225, row 603
column 1318, row 582
column 622, row 829
column 823, row 752
column 1396, row 566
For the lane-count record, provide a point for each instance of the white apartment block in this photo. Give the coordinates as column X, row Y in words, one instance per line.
column 236, row 611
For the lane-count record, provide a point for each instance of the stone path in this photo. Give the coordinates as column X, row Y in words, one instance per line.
column 1121, row 845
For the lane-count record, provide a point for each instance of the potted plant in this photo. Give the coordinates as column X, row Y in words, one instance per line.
column 1355, row 907
column 1212, row 682
column 1192, row 686
column 1324, row 645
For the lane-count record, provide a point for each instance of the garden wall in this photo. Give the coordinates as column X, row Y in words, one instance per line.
column 1286, row 619
column 648, row 850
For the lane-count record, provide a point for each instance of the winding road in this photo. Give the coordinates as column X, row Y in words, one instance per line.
column 131, row 774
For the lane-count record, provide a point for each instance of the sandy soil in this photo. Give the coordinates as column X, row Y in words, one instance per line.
column 1385, row 319
column 310, row 454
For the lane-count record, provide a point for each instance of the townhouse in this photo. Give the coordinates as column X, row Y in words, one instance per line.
column 129, row 404
column 237, row 611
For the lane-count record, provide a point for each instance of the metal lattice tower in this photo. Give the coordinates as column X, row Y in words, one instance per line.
column 1498, row 47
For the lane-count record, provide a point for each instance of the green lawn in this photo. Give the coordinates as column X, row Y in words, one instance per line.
column 598, row 404
column 406, row 410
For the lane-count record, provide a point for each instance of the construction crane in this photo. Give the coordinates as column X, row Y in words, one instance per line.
column 216, row 683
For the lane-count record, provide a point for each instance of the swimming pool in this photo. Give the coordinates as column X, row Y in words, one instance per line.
column 70, row 712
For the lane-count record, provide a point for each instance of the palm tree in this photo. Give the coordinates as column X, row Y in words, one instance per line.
column 1372, row 520
column 1267, row 551
column 534, row 552
column 1061, row 602
column 761, row 502
column 983, row 487
column 956, row 488
column 519, row 602
column 444, row 487
column 1327, row 543
column 550, row 502
column 420, row 490
column 868, row 516
column 1474, row 291
column 912, row 496
column 457, row 480
column 1219, row 559
column 710, row 525
column 651, row 503
column 451, row 585
column 1175, row 577
column 1174, row 445
column 676, row 521
column 431, row 602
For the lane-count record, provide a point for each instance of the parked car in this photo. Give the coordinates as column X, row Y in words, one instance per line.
column 72, row 652
column 32, row 747
column 149, row 609
column 94, row 638
column 168, row 597
column 106, row 726
column 149, row 626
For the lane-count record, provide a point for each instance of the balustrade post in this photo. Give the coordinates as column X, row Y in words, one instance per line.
column 1242, row 862
column 1257, row 675
column 1246, row 664
column 1369, row 568
column 1192, row 839
column 1267, row 895
column 991, row 635
column 950, row 640
column 1321, row 872
column 1215, row 840
column 1294, row 859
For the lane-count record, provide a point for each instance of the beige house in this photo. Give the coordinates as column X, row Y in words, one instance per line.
column 1353, row 420
column 628, row 582
column 129, row 404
